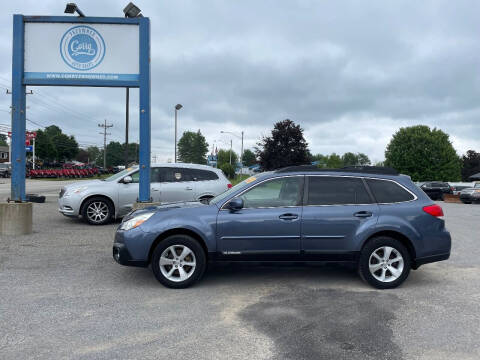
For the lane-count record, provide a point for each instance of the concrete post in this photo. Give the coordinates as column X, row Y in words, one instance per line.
column 16, row 218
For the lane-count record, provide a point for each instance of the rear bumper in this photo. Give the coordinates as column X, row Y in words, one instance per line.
column 429, row 259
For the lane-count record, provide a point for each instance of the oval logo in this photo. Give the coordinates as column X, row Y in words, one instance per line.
column 82, row 48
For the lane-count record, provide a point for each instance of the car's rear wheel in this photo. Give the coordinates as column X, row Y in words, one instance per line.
column 384, row 262
column 178, row 261
column 97, row 211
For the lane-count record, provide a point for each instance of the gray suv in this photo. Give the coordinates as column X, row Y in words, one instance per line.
column 371, row 217
column 99, row 201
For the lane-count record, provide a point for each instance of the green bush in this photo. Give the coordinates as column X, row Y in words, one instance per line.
column 228, row 170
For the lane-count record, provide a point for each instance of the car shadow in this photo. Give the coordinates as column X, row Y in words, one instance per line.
column 226, row 273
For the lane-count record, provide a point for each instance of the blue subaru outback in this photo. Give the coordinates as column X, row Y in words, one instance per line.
column 369, row 216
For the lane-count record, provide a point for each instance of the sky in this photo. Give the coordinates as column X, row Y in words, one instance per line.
column 351, row 73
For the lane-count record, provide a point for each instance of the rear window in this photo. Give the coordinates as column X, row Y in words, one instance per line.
column 171, row 174
column 202, row 175
column 438, row 184
column 330, row 190
column 388, row 191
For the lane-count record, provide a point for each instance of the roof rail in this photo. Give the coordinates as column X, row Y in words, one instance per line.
column 385, row 170
column 358, row 169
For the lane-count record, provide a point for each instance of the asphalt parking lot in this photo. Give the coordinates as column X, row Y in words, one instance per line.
column 63, row 296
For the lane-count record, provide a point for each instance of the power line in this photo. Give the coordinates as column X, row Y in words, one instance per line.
column 105, row 127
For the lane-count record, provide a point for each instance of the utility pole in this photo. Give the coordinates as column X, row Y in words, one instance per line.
column 104, row 133
column 230, row 151
column 177, row 107
column 241, row 157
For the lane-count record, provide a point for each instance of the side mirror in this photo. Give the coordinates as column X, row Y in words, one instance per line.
column 127, row 179
column 235, row 204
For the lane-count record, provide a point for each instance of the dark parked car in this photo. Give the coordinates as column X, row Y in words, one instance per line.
column 371, row 217
column 436, row 190
column 471, row 195
column 5, row 170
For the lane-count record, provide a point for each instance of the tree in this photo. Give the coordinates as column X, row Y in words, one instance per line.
column 351, row 159
column 334, row 161
column 192, row 148
column 228, row 170
column 321, row 160
column 424, row 154
column 51, row 144
column 249, row 158
column 363, row 159
column 223, row 157
column 132, row 152
column 44, row 147
column 66, row 146
column 471, row 164
column 82, row 156
column 286, row 146
column 115, row 154
column 3, row 140
column 93, row 154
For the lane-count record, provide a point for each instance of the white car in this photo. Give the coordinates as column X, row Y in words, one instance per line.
column 99, row 201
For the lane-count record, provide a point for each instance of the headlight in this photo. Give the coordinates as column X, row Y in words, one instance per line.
column 135, row 221
column 75, row 191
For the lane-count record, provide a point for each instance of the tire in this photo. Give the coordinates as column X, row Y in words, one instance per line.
column 377, row 246
column 35, row 198
column 196, row 256
column 97, row 211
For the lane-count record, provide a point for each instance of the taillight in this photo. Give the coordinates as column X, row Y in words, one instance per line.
column 229, row 185
column 434, row 210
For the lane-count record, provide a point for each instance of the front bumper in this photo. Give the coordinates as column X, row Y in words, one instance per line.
column 67, row 207
column 129, row 248
column 123, row 257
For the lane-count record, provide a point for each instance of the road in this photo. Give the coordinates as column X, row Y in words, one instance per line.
column 62, row 296
column 44, row 187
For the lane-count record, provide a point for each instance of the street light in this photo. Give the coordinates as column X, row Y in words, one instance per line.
column 177, row 107
column 241, row 151
column 71, row 8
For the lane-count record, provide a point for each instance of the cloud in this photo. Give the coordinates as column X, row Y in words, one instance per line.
column 350, row 73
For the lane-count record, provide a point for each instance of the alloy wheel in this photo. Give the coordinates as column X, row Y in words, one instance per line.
column 97, row 211
column 386, row 264
column 177, row 263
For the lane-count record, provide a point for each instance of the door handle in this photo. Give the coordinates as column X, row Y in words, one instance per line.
column 363, row 214
column 288, row 217
column 188, row 188
column 155, row 189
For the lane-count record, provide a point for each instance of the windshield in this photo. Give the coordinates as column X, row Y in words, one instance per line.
column 241, row 185
column 120, row 174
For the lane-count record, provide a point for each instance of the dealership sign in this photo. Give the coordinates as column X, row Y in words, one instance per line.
column 79, row 51
column 87, row 51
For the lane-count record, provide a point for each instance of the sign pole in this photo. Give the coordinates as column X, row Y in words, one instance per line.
column 33, row 153
column 144, row 186
column 18, row 113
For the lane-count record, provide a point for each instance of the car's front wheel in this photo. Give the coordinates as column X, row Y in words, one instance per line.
column 178, row 261
column 384, row 262
column 97, row 211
